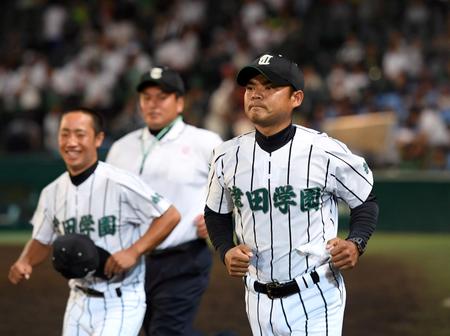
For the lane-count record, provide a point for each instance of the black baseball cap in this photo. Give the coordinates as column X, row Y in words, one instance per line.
column 167, row 79
column 276, row 68
column 75, row 255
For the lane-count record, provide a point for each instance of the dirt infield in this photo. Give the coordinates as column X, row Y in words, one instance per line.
column 378, row 292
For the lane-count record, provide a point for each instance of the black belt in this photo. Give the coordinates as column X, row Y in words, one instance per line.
column 95, row 293
column 179, row 248
column 276, row 290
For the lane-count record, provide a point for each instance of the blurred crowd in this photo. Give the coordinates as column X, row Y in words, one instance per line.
column 358, row 57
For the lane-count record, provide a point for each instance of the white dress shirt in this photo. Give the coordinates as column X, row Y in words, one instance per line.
column 175, row 166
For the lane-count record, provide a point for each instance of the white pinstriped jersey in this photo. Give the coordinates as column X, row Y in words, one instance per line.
column 176, row 167
column 112, row 206
column 286, row 200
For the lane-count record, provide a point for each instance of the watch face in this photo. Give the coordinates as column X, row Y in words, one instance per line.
column 359, row 244
column 360, row 249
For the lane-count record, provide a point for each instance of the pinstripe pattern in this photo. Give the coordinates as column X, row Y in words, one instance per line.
column 105, row 313
column 89, row 312
column 271, row 223
column 289, row 200
column 285, row 316
column 91, row 192
column 120, row 221
column 66, row 195
column 141, row 266
column 221, row 197
column 351, row 166
column 305, row 313
column 55, row 230
column 105, row 197
column 325, row 307
column 209, row 186
column 347, row 188
column 304, row 281
column 309, row 165
column 76, row 203
column 122, row 315
column 242, row 238
column 257, row 312
column 289, row 212
column 253, row 214
column 308, row 214
column 322, row 198
column 271, row 316
column 140, row 215
column 344, row 148
column 335, row 277
column 121, row 247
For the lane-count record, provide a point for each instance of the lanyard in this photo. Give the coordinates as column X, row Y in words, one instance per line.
column 146, row 151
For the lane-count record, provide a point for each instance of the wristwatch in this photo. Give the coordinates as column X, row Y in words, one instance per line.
column 360, row 244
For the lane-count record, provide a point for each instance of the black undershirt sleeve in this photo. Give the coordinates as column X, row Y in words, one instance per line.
column 363, row 219
column 220, row 230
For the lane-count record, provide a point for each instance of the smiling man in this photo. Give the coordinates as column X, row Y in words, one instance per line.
column 96, row 207
column 277, row 187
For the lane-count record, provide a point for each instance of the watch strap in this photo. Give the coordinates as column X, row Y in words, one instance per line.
column 360, row 244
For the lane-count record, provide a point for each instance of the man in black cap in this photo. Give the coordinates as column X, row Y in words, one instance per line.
column 173, row 158
column 101, row 221
column 280, row 184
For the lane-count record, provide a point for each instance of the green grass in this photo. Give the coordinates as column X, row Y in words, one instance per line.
column 425, row 253
column 14, row 237
column 428, row 255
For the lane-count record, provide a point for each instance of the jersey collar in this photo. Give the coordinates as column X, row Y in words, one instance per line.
column 171, row 134
column 80, row 178
column 276, row 141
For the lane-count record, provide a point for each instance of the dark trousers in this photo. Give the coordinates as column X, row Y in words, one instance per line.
column 175, row 281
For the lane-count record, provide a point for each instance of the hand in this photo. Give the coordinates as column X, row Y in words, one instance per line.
column 344, row 253
column 237, row 260
column 19, row 270
column 121, row 261
column 202, row 232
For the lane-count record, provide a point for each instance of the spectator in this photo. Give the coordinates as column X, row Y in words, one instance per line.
column 366, row 52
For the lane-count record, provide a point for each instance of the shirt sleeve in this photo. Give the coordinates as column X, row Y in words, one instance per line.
column 143, row 202
column 352, row 179
column 218, row 197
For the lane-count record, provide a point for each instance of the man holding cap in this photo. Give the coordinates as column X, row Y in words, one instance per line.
column 173, row 158
column 280, row 184
column 101, row 220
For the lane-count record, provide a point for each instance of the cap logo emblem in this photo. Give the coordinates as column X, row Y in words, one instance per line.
column 156, row 73
column 264, row 60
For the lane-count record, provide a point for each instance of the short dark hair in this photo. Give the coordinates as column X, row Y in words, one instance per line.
column 97, row 118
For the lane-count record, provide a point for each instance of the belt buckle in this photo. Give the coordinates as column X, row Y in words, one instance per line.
column 271, row 288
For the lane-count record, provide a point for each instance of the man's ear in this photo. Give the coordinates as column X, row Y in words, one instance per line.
column 180, row 104
column 99, row 139
column 297, row 98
